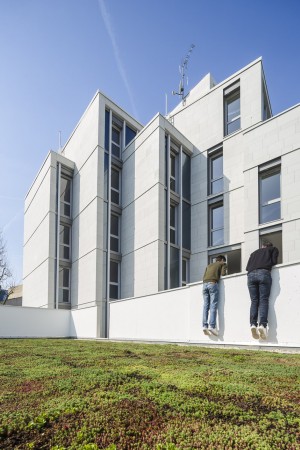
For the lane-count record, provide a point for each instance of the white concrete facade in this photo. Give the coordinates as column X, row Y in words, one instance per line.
column 142, row 201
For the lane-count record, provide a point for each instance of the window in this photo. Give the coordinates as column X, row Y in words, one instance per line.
column 65, row 197
column 185, row 272
column 64, row 285
column 114, row 279
column 105, row 175
column 173, row 224
column 172, row 172
column 186, row 176
column 129, row 134
column 116, row 142
column 174, row 267
column 216, row 224
column 232, row 113
column 65, row 242
column 186, row 225
column 115, row 233
column 115, row 186
column 269, row 195
column 233, row 260
column 215, row 167
column 274, row 236
column 106, row 136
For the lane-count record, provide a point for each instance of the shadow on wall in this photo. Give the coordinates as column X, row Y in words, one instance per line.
column 272, row 319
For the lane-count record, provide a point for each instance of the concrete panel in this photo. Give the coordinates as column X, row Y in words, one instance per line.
column 83, row 323
column 36, row 286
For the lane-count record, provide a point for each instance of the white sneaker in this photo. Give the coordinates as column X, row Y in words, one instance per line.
column 254, row 332
column 205, row 331
column 213, row 331
column 262, row 332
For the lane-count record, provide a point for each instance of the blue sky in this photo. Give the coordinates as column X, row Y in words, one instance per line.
column 55, row 54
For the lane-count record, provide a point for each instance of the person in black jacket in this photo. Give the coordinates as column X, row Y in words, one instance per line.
column 259, row 284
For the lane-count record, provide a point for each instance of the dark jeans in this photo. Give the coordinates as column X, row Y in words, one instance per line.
column 259, row 285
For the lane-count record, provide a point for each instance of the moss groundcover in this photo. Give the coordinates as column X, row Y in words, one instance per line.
column 65, row 394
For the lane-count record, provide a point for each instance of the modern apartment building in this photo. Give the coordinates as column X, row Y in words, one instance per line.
column 126, row 210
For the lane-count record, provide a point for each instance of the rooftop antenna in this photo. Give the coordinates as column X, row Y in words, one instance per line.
column 59, row 140
column 182, row 70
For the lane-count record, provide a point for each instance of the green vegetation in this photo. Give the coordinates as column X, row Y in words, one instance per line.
column 88, row 395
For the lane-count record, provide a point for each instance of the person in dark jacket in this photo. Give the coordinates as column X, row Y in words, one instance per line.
column 259, row 284
column 211, row 278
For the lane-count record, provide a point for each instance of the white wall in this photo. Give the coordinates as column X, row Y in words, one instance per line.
column 17, row 321
column 177, row 315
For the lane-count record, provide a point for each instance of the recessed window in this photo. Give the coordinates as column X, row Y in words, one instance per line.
column 64, row 285
column 115, row 233
column 65, row 197
column 65, row 242
column 185, row 272
column 215, row 167
column 114, row 279
column 216, row 224
column 232, row 111
column 173, row 180
column 115, row 186
column 276, row 238
column 186, row 225
column 116, row 141
column 174, row 267
column 233, row 260
column 186, row 176
column 269, row 195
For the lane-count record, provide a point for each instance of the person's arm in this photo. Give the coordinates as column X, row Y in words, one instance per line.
column 224, row 269
column 274, row 256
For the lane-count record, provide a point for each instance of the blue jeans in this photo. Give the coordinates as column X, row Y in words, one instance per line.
column 210, row 298
column 259, row 285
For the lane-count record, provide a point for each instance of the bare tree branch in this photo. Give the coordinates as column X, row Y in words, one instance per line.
column 7, row 284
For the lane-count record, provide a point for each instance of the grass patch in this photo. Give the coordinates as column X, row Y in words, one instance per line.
column 87, row 395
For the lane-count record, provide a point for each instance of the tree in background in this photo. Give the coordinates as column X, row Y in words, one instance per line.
column 7, row 284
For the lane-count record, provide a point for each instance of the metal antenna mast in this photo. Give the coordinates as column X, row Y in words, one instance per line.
column 182, row 70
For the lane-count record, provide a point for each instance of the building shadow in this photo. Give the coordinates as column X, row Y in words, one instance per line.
column 272, row 319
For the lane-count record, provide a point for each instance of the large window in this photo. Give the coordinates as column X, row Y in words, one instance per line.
column 216, row 216
column 174, row 267
column 186, row 176
column 269, row 195
column 115, row 233
column 64, row 285
column 186, row 225
column 65, row 197
column 215, row 167
column 233, row 259
column 129, row 134
column 65, row 242
column 232, row 112
column 114, row 280
column 115, row 186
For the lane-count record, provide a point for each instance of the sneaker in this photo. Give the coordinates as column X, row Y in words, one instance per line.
column 262, row 332
column 213, row 331
column 254, row 332
column 205, row 331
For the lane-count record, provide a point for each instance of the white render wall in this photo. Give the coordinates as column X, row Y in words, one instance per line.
column 176, row 315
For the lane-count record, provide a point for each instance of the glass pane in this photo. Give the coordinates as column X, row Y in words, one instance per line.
column 172, row 165
column 217, row 237
column 269, row 188
column 65, row 190
column 115, row 197
column 217, row 217
column 114, row 272
column 270, row 212
column 217, row 186
column 233, row 107
column 217, row 167
column 105, row 175
column 115, row 149
column 172, row 184
column 116, row 136
column 172, row 236
column 106, row 139
column 65, row 209
column 64, row 235
column 172, row 216
column 184, row 270
column 174, row 267
column 234, row 126
column 114, row 225
column 64, row 277
column 276, row 239
column 186, row 176
column 186, row 225
column 114, row 244
column 129, row 134
column 113, row 291
column 66, row 294
column 64, row 252
column 115, row 179
column 166, row 158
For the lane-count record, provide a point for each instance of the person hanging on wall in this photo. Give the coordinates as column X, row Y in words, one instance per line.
column 259, row 283
column 211, row 279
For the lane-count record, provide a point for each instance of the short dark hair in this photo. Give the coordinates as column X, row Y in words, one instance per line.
column 267, row 243
column 221, row 258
